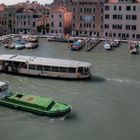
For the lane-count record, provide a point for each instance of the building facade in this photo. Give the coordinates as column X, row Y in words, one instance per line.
column 122, row 19
column 24, row 18
column 87, row 17
column 60, row 21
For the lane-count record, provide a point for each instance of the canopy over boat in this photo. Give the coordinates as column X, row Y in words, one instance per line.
column 44, row 61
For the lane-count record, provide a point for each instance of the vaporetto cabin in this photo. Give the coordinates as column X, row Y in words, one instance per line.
column 41, row 66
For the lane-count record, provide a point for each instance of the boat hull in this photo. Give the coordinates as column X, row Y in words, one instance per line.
column 28, row 109
column 86, row 77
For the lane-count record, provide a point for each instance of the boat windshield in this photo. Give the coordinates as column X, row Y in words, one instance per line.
column 84, row 70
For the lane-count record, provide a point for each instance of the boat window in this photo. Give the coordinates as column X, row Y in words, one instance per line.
column 39, row 67
column 47, row 68
column 80, row 69
column 63, row 69
column 19, row 95
column 32, row 67
column 71, row 70
column 23, row 65
column 83, row 71
column 56, row 69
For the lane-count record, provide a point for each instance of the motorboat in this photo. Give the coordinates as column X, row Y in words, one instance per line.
column 76, row 46
column 32, row 103
column 115, row 43
column 133, row 48
column 107, row 46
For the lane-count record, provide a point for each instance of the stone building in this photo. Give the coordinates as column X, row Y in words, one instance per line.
column 24, row 17
column 60, row 21
column 87, row 18
column 122, row 19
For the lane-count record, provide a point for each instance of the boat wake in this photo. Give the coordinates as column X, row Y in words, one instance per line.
column 123, row 80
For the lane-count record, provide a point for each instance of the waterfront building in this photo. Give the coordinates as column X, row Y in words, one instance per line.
column 24, row 17
column 3, row 29
column 87, row 19
column 60, row 20
column 122, row 19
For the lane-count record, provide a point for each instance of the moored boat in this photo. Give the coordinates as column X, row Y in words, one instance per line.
column 133, row 48
column 60, row 39
column 20, row 45
column 115, row 43
column 45, row 67
column 32, row 103
column 76, row 45
column 107, row 46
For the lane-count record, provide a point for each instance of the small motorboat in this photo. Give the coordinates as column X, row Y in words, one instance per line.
column 31, row 45
column 76, row 46
column 133, row 48
column 107, row 46
column 32, row 103
column 20, row 45
column 33, row 38
column 115, row 43
column 12, row 46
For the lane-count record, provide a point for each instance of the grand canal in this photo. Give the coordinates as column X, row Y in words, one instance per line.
column 106, row 107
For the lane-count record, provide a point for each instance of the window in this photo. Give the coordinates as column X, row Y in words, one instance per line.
column 60, row 24
column 47, row 68
column 107, row 7
column 120, row 8
column 119, row 35
column 134, row 8
column 106, row 26
column 133, row 27
column 55, row 69
column 114, row 8
column 60, row 16
column 51, row 24
column 127, row 27
column 52, row 16
column 32, row 67
column 106, row 16
column 39, row 67
column 119, row 16
column 128, row 17
column 114, row 16
column 128, row 8
column 63, row 69
column 114, row 34
column 127, row 35
column 71, row 70
column 106, row 34
column 138, row 36
column 134, row 17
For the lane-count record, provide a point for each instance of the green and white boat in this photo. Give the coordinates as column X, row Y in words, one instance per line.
column 32, row 103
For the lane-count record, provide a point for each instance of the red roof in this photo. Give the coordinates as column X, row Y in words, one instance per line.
column 2, row 6
column 60, row 10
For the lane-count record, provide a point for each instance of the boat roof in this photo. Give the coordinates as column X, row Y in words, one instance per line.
column 32, row 99
column 44, row 61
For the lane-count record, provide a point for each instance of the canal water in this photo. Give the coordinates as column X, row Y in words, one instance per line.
column 106, row 107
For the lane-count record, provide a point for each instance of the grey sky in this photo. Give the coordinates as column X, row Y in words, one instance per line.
column 10, row 2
